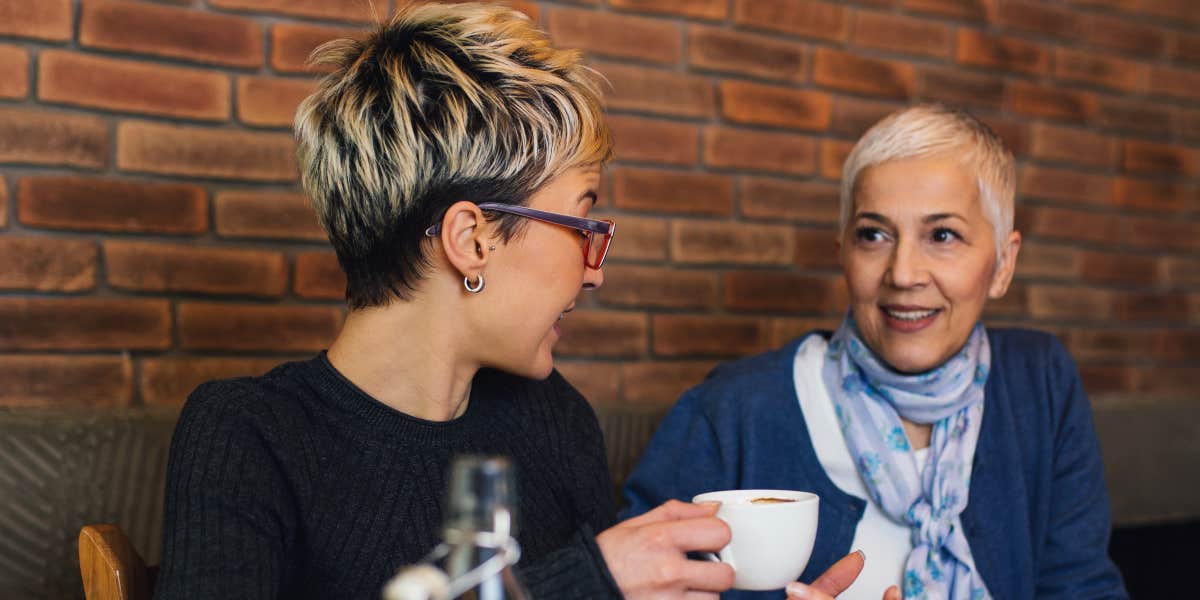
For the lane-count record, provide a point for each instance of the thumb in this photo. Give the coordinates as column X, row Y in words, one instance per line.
column 837, row 578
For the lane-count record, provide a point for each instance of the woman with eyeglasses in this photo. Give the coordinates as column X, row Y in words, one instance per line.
column 453, row 157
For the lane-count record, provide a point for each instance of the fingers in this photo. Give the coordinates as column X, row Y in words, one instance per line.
column 706, row 576
column 799, row 591
column 673, row 510
column 892, row 593
column 707, row 533
column 837, row 578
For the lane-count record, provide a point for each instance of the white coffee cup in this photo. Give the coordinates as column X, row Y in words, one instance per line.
column 772, row 541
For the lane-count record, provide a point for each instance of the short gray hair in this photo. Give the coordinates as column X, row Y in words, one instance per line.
column 936, row 130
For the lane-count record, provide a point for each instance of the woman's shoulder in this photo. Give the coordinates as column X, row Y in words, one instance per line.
column 256, row 401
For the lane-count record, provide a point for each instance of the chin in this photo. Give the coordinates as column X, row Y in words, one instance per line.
column 911, row 362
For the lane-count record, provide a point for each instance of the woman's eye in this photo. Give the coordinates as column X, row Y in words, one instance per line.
column 943, row 235
column 869, row 234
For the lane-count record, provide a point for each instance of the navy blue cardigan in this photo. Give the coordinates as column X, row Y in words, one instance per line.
column 1037, row 520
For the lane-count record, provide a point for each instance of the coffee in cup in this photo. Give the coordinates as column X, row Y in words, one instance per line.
column 773, row 535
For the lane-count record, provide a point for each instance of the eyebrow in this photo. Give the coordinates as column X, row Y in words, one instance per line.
column 926, row 219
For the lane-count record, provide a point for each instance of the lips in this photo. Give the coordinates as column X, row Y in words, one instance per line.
column 909, row 318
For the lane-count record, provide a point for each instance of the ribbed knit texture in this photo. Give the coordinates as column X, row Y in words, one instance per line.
column 297, row 484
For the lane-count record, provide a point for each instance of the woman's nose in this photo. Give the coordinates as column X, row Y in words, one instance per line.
column 592, row 278
column 907, row 268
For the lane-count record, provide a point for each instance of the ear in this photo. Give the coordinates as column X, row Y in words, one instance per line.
column 1007, row 266
column 464, row 236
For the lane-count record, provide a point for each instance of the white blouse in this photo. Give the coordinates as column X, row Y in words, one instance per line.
column 885, row 542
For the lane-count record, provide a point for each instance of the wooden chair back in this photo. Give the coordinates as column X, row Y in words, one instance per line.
column 111, row 567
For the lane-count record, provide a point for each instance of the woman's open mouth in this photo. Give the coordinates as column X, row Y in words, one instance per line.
column 908, row 319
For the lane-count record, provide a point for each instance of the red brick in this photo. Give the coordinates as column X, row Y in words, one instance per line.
column 639, row 238
column 1180, row 381
column 1073, row 145
column 1038, row 17
column 266, row 215
column 1143, row 306
column 727, row 147
column 1013, row 132
column 1112, row 344
column 1181, row 83
column 594, row 333
column 14, row 72
column 779, row 291
column 672, row 191
column 616, row 35
column 599, row 382
column 787, row 329
column 319, row 276
column 52, row 138
column 84, row 324
column 1187, row 123
column 757, row 104
column 1088, row 67
column 660, row 92
column 854, row 73
column 334, row 10
column 50, row 381
column 694, row 241
column 1176, row 234
column 642, row 287
column 204, row 152
column 269, row 101
column 1194, row 308
column 1180, row 345
column 256, row 327
column 1114, row 33
column 1063, row 224
column 3, row 202
column 956, row 86
column 804, row 18
column 660, row 383
column 853, row 117
column 1038, row 260
column 172, row 32
column 132, row 86
column 154, row 267
column 745, row 54
column 43, row 19
column 168, row 381
column 1172, row 10
column 1066, row 185
column 975, row 10
column 701, row 9
column 980, row 49
column 1069, row 302
column 1132, row 115
column 1119, row 268
column 47, row 264
column 817, row 249
column 1179, row 271
column 908, row 35
column 709, row 335
column 96, row 204
column 1156, row 195
column 1045, row 101
column 1108, row 379
column 833, row 157
column 1151, row 157
column 1186, row 47
column 654, row 140
column 1014, row 304
column 788, row 200
column 292, row 43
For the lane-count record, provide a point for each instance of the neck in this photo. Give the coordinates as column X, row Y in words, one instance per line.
column 406, row 356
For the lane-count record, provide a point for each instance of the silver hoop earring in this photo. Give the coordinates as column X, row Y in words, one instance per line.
column 476, row 288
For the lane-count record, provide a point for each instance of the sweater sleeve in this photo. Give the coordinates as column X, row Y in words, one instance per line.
column 577, row 570
column 226, row 505
column 683, row 458
column 1075, row 560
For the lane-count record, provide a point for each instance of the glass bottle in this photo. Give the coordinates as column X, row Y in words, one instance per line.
column 479, row 545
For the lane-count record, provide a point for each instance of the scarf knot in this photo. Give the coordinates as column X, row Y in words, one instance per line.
column 870, row 398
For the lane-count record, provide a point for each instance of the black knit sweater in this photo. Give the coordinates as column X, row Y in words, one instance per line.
column 297, row 484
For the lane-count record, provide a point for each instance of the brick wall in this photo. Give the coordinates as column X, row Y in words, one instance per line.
column 152, row 234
